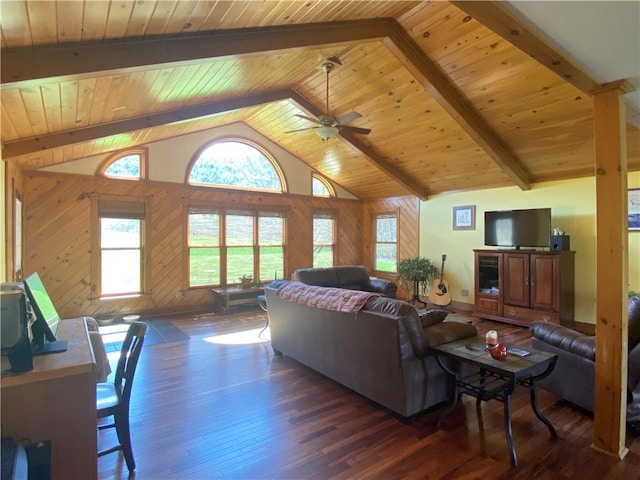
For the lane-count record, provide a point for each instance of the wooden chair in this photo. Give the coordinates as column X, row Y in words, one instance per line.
column 112, row 399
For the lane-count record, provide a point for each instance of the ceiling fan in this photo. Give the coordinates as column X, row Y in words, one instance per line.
column 328, row 125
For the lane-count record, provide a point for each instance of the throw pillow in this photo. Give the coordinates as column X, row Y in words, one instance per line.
column 432, row 317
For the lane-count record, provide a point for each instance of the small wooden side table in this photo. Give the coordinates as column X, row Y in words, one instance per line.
column 232, row 296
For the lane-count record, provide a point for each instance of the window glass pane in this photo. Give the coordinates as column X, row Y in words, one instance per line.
column 322, row 230
column 386, row 230
column 318, row 188
column 204, row 266
column 125, row 167
column 235, row 164
column 120, row 271
column 120, row 233
column 323, row 256
column 239, row 263
column 270, row 231
column 386, row 260
column 239, row 230
column 204, row 229
column 271, row 263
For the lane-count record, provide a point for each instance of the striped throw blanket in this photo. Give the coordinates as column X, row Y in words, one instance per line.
column 329, row 298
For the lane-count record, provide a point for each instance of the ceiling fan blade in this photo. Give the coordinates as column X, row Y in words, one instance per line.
column 348, row 129
column 349, row 117
column 314, row 120
column 301, row 129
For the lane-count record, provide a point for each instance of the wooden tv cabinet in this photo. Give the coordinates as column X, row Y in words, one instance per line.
column 521, row 286
column 56, row 401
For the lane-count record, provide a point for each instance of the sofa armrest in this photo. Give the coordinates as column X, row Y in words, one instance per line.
column 564, row 338
column 383, row 286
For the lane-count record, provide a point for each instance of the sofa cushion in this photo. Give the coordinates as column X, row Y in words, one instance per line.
column 320, row 277
column 433, row 316
column 352, row 276
column 389, row 306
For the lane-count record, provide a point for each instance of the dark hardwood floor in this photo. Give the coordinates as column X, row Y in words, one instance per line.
column 221, row 405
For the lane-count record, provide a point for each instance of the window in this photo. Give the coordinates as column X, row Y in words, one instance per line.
column 386, row 244
column 321, row 187
column 236, row 164
column 225, row 245
column 128, row 165
column 323, row 240
column 17, row 237
column 121, row 260
column 204, row 248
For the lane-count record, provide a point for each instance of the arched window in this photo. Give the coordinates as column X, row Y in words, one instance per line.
column 129, row 165
column 236, row 164
column 321, row 187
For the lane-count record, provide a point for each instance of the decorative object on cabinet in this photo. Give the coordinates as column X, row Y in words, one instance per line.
column 464, row 217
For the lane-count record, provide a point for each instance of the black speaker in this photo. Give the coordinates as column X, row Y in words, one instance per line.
column 20, row 356
column 560, row 242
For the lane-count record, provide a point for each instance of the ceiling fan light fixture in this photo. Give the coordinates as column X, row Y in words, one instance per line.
column 325, row 132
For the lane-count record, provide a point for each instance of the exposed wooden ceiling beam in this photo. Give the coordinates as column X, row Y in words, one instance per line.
column 79, row 59
column 82, row 58
column 87, row 134
column 493, row 16
column 455, row 103
column 376, row 159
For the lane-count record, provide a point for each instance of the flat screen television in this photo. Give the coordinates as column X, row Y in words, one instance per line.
column 45, row 326
column 518, row 228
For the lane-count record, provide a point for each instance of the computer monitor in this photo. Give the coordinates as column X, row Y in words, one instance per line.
column 45, row 326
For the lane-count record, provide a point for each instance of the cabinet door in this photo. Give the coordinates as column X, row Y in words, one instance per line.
column 545, row 282
column 516, row 279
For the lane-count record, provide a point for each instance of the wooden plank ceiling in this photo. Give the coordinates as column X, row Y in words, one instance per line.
column 452, row 104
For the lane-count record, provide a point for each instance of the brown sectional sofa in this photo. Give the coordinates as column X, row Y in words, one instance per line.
column 574, row 375
column 381, row 351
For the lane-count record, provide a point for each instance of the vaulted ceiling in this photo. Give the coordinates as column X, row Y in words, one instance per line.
column 458, row 95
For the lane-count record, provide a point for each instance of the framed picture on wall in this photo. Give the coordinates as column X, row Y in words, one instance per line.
column 634, row 209
column 464, row 218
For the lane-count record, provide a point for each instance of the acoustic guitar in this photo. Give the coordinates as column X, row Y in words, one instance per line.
column 439, row 293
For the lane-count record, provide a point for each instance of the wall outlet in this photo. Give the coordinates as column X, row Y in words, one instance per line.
column 179, row 294
column 464, row 292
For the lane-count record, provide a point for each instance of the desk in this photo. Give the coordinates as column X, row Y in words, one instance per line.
column 56, row 401
column 487, row 379
column 230, row 296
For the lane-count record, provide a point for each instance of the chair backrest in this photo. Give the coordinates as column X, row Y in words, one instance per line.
column 129, row 355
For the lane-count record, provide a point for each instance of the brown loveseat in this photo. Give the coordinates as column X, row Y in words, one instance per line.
column 380, row 351
column 352, row 277
column 574, row 376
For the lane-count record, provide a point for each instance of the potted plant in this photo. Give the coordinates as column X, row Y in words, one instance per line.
column 416, row 274
column 246, row 281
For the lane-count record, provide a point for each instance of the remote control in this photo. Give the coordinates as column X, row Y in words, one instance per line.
column 518, row 351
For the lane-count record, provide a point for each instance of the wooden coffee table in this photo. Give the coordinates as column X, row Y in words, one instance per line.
column 231, row 296
column 477, row 374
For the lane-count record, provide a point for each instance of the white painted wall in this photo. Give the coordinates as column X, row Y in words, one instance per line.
column 168, row 159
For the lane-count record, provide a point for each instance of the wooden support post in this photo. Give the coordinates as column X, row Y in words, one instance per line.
column 612, row 268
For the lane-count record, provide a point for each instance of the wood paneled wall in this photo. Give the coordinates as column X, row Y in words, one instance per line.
column 408, row 210
column 58, row 237
column 14, row 182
